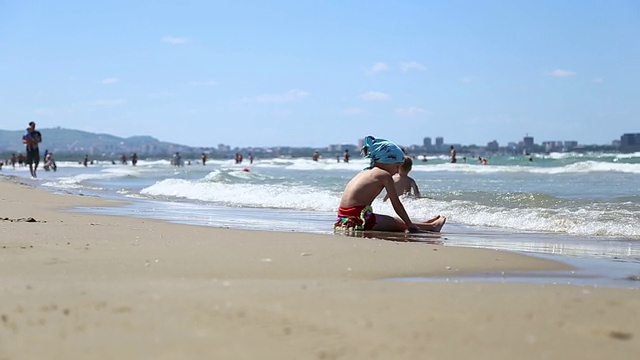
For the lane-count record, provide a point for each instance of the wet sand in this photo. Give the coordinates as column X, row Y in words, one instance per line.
column 87, row 286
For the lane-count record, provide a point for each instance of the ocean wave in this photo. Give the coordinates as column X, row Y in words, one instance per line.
column 513, row 211
column 601, row 220
column 282, row 196
column 230, row 176
column 587, row 204
column 578, row 167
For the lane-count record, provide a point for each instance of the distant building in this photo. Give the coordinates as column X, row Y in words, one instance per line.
column 570, row 145
column 439, row 142
column 552, row 146
column 426, row 142
column 351, row 147
column 528, row 142
column 559, row 146
column 630, row 142
column 493, row 146
column 343, row 147
column 412, row 149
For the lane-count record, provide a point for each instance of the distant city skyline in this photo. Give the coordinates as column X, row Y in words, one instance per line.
column 427, row 141
column 291, row 73
column 70, row 141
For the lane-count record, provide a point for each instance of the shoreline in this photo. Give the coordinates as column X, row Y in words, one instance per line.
column 617, row 269
column 78, row 286
column 583, row 270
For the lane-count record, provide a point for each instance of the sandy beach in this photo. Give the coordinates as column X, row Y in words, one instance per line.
column 84, row 286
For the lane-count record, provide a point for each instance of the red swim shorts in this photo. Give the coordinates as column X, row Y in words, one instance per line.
column 355, row 218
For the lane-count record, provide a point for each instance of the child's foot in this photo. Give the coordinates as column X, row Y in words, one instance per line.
column 433, row 219
column 438, row 224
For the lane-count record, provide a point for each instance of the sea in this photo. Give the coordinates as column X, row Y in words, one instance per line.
column 579, row 208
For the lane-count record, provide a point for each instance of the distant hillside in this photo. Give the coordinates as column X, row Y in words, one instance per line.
column 67, row 141
column 68, row 144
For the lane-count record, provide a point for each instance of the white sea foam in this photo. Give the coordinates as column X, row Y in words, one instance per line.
column 624, row 156
column 246, row 195
column 587, row 222
column 78, row 180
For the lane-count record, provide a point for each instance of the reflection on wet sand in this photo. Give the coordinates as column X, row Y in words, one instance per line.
column 430, row 238
column 552, row 244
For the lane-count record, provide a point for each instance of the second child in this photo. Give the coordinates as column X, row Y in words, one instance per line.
column 404, row 183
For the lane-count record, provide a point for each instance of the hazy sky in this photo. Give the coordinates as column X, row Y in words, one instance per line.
column 266, row 73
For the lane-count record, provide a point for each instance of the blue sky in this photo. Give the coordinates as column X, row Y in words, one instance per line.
column 313, row 73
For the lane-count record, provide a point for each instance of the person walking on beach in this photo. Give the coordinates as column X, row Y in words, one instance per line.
column 355, row 212
column 346, row 156
column 404, row 183
column 31, row 139
column 204, row 158
column 453, row 155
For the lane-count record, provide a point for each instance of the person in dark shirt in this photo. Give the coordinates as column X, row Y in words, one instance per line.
column 31, row 139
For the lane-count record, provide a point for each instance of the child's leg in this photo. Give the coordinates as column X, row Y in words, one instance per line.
column 434, row 224
column 389, row 223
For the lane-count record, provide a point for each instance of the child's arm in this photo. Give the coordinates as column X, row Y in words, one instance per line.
column 389, row 185
column 416, row 192
column 386, row 196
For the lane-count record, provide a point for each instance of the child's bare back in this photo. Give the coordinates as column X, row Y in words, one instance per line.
column 364, row 187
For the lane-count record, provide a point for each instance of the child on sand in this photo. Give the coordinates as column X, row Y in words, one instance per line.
column 355, row 212
column 403, row 182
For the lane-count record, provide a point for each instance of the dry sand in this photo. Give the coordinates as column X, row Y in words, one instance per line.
column 82, row 286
